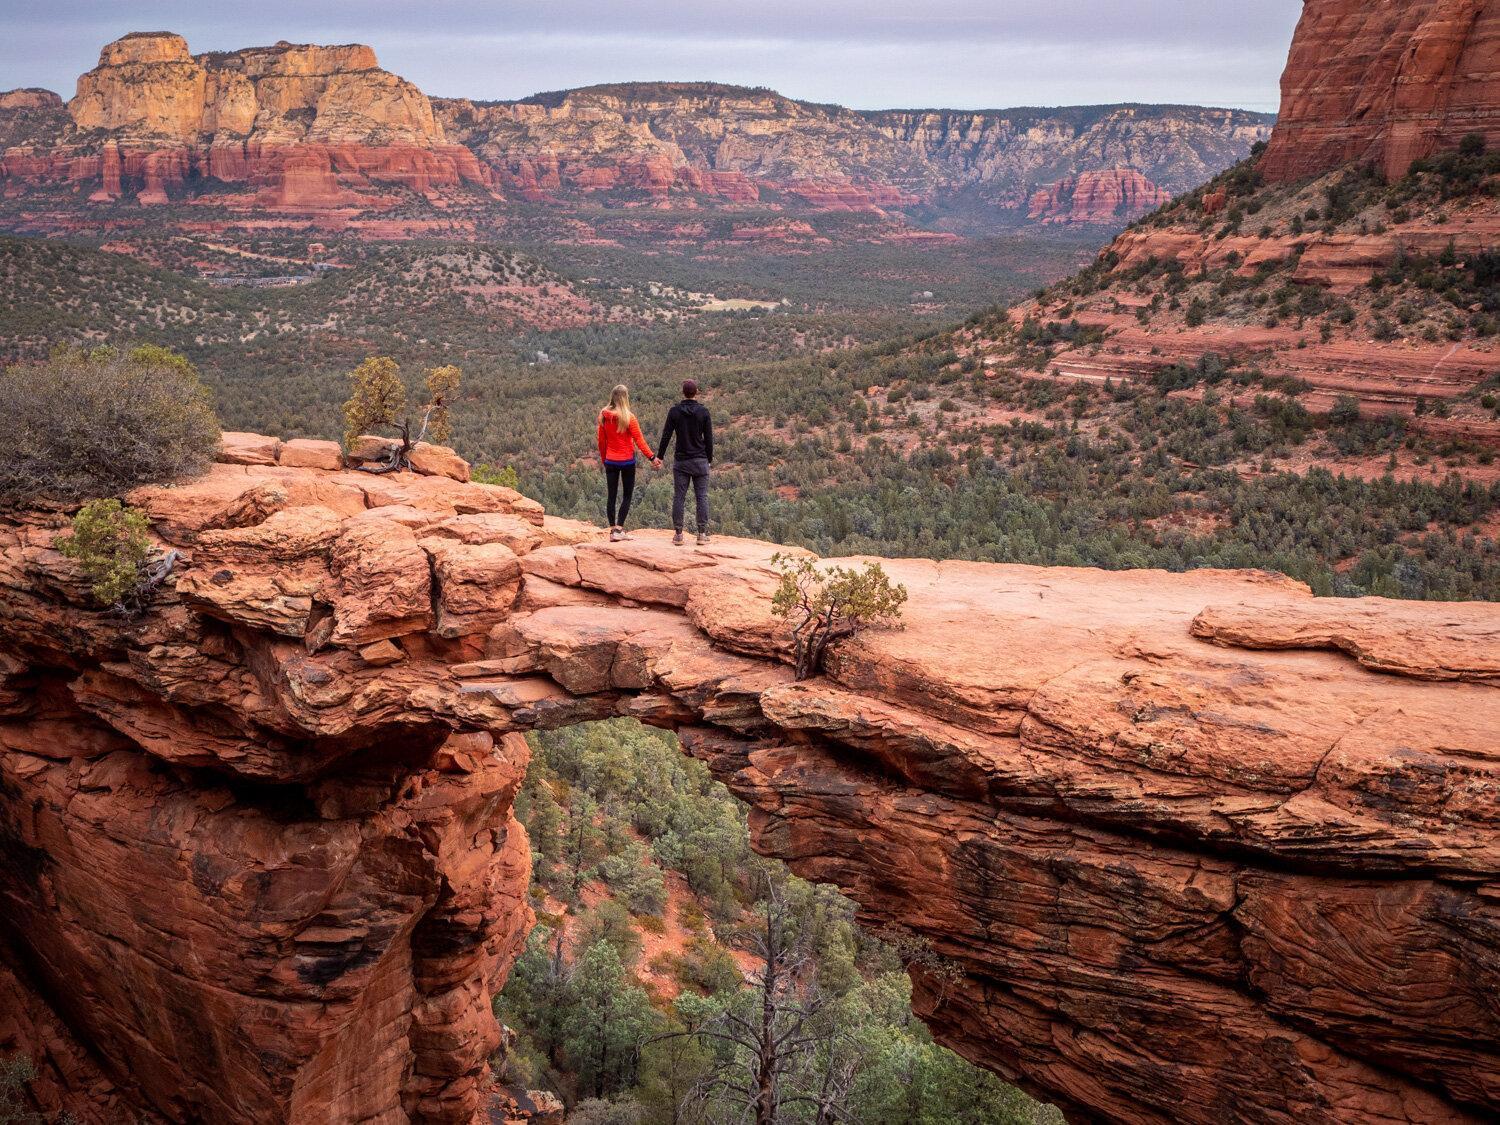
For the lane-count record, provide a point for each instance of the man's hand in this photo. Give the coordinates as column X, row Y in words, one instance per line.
column 656, row 462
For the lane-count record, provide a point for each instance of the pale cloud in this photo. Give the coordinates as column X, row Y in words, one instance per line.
column 863, row 53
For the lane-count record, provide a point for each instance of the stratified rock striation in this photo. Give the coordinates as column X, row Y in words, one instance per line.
column 1386, row 83
column 741, row 145
column 1187, row 847
column 1367, row 86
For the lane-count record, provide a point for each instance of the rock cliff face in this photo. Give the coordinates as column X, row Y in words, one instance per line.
column 309, row 125
column 739, row 144
column 1098, row 197
column 147, row 86
column 1386, row 83
column 30, row 99
column 1193, row 847
column 316, row 127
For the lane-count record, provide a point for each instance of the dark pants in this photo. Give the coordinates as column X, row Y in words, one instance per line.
column 696, row 472
column 618, row 475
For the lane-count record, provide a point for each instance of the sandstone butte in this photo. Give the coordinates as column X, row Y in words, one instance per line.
column 307, row 125
column 1190, row 847
column 1386, row 83
column 312, row 128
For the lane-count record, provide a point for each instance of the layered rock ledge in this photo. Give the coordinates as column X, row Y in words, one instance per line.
column 1189, row 847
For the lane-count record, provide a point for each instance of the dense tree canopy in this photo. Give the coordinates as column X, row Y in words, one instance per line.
column 847, row 1047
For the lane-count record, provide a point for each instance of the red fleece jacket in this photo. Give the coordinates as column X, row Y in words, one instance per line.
column 615, row 446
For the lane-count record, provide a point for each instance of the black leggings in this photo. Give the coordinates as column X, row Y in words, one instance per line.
column 617, row 475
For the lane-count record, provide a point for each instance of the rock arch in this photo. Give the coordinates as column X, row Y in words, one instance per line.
column 1199, row 846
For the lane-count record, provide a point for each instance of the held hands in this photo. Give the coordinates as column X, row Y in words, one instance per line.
column 656, row 462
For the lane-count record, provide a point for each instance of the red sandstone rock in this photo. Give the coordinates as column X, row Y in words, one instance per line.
column 1388, row 636
column 1381, row 83
column 476, row 584
column 248, row 449
column 379, row 584
column 382, row 653
column 325, row 130
column 304, row 453
column 1385, row 83
column 1386, row 377
column 29, row 99
column 281, row 601
column 1189, row 840
column 307, row 126
column 783, row 230
column 517, row 534
column 425, row 458
column 1116, row 195
column 438, row 461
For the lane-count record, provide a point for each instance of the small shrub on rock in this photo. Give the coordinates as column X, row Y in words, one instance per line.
column 111, row 545
column 100, row 422
column 1345, row 411
column 826, row 603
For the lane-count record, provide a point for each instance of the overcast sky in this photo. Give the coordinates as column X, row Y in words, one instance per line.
column 862, row 53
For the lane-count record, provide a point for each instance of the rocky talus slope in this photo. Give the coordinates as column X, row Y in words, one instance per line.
column 324, row 128
column 1188, row 847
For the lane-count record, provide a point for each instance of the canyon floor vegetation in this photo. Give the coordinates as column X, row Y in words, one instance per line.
column 664, row 947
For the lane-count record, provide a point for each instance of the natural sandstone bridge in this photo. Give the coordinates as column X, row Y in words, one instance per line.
column 1202, row 847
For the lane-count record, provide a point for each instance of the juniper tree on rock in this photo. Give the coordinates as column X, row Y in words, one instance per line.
column 111, row 545
column 824, row 603
column 377, row 401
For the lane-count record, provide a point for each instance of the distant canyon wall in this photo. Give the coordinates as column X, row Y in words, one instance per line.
column 312, row 126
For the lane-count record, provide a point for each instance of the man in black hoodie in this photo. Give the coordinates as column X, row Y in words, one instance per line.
column 689, row 421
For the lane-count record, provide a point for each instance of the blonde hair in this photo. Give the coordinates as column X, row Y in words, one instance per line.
column 619, row 404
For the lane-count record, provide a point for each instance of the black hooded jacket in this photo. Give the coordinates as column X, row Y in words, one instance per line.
column 694, row 428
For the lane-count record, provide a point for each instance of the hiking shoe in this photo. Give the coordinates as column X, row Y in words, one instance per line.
column 615, row 535
column 702, row 538
column 677, row 540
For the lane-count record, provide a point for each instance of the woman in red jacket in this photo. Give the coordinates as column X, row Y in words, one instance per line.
column 619, row 438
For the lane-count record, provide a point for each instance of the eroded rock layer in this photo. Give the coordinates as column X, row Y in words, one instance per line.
column 308, row 126
column 1192, row 847
column 1367, row 87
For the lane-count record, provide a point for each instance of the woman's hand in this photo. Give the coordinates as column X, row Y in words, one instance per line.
column 656, row 462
